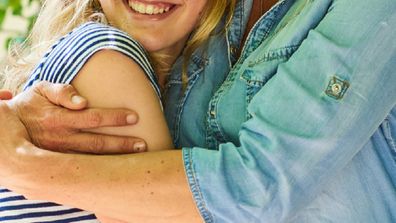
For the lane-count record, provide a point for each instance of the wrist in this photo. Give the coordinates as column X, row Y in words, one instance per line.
column 15, row 145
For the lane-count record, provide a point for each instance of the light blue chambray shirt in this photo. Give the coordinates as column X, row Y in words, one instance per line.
column 302, row 128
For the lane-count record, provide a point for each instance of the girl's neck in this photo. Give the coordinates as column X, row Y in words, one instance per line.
column 162, row 63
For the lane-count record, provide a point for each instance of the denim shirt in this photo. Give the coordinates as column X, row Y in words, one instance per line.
column 300, row 128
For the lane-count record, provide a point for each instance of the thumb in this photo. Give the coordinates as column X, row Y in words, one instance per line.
column 61, row 94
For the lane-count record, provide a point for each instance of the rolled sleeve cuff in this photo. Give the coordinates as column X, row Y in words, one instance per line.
column 194, row 185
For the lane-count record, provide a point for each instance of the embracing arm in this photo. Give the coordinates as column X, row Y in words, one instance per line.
column 145, row 187
column 299, row 138
column 142, row 188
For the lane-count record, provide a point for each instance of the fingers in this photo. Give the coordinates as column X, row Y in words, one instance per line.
column 61, row 129
column 61, row 94
column 89, row 118
column 5, row 95
column 92, row 143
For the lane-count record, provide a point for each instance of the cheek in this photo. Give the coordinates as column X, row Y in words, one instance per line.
column 114, row 11
column 189, row 22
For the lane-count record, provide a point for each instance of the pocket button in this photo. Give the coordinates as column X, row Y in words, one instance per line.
column 337, row 87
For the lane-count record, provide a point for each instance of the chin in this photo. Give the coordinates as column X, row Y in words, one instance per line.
column 153, row 45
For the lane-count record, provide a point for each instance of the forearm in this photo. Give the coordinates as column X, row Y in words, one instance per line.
column 138, row 188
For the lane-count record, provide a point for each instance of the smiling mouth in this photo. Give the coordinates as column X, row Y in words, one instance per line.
column 150, row 8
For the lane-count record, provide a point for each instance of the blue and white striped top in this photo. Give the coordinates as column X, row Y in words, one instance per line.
column 60, row 65
column 14, row 208
column 67, row 56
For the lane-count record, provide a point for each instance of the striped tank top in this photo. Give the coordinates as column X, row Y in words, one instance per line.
column 61, row 64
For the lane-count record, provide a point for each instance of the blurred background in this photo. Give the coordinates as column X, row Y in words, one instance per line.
column 16, row 19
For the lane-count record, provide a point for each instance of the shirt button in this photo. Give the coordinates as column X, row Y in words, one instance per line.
column 212, row 113
column 337, row 88
column 233, row 50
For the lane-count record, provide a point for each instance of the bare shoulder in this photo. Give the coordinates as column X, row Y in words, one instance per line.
column 112, row 60
column 110, row 79
column 118, row 73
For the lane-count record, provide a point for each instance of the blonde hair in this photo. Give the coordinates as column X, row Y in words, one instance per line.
column 59, row 17
column 214, row 11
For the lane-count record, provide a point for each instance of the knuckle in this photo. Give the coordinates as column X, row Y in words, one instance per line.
column 66, row 89
column 41, row 88
column 40, row 85
column 52, row 142
column 119, row 118
column 98, row 144
column 51, row 120
column 48, row 143
column 38, row 128
column 94, row 119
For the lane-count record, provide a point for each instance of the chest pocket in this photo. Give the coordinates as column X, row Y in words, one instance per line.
column 254, row 82
column 257, row 72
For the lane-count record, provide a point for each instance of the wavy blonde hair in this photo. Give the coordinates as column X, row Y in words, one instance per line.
column 59, row 17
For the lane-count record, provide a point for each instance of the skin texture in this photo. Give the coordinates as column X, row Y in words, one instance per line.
column 55, row 119
column 108, row 80
column 141, row 187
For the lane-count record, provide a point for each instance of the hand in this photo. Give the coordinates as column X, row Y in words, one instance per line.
column 55, row 117
column 13, row 139
column 10, row 126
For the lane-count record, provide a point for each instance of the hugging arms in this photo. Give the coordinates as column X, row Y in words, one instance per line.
column 309, row 137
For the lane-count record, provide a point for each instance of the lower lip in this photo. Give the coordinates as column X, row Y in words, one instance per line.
column 139, row 16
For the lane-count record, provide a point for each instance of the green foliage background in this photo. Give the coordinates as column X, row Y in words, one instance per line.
column 16, row 8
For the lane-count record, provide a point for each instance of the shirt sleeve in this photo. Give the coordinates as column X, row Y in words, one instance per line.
column 284, row 162
column 67, row 56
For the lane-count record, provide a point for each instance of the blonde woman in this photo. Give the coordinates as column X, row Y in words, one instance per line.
column 102, row 48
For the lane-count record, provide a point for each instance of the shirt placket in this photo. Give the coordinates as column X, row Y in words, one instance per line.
column 214, row 135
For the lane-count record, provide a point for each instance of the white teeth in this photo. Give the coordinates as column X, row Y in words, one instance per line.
column 148, row 9
column 141, row 8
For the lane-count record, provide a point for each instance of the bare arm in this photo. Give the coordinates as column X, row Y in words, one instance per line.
column 145, row 187
column 111, row 80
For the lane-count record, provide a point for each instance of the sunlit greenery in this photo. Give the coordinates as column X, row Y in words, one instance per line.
column 16, row 8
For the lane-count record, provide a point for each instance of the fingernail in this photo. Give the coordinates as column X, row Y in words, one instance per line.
column 139, row 146
column 77, row 99
column 131, row 119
